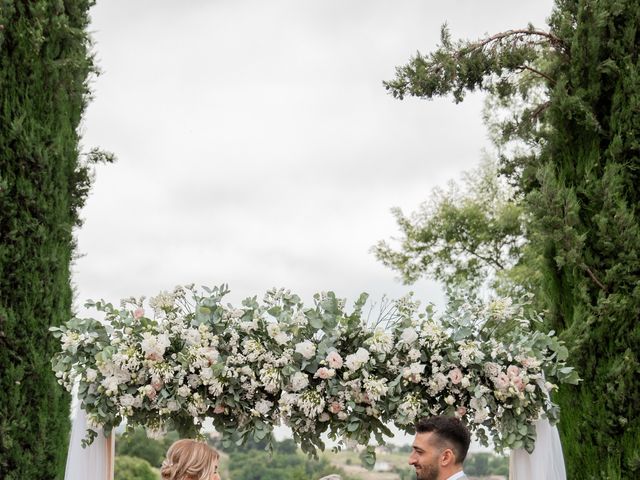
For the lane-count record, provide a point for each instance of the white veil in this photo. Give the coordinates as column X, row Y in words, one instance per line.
column 94, row 462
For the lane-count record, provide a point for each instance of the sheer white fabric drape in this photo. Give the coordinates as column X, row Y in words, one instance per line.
column 94, row 462
column 545, row 463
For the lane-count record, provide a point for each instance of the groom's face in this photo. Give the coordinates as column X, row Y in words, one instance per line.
column 425, row 457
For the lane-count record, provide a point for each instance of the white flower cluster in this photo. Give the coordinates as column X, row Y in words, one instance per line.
column 250, row 368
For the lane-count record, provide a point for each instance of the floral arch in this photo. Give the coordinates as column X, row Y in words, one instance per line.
column 318, row 369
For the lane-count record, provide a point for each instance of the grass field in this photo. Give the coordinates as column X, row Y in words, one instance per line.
column 351, row 464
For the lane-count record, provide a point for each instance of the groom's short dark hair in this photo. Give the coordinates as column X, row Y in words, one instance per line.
column 447, row 430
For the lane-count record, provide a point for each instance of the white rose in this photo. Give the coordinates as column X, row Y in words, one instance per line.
column 184, row 391
column 127, row 400
column 90, row 375
column 110, row 385
column 477, row 403
column 356, row 360
column 299, row 381
column 154, row 346
column 206, row 374
column 480, row 416
column 307, row 349
column 414, row 372
column 191, row 336
column 263, row 407
column 413, row 354
column 211, row 354
column 273, row 329
column 409, row 335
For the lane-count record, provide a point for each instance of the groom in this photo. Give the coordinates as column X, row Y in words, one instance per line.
column 439, row 448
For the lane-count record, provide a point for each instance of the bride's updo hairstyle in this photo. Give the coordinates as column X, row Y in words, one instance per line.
column 189, row 460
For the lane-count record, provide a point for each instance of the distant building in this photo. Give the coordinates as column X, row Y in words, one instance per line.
column 382, row 467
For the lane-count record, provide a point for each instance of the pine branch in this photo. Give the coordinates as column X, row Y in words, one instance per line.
column 593, row 277
column 556, row 41
column 539, row 73
column 540, row 108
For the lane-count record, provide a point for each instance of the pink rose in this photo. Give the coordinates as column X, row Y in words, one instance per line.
column 519, row 384
column 334, row 360
column 155, row 356
column 501, row 381
column 455, row 376
column 513, row 371
column 335, row 407
column 325, row 373
column 150, row 392
column 218, row 409
column 461, row 412
column 138, row 313
column 492, row 369
column 157, row 383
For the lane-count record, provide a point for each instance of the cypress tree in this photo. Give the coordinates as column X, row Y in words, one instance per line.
column 44, row 64
column 588, row 218
column 580, row 179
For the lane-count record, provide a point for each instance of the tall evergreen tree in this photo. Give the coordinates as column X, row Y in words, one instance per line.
column 587, row 207
column 44, row 64
column 580, row 173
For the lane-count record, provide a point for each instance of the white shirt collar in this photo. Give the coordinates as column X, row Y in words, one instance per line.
column 456, row 476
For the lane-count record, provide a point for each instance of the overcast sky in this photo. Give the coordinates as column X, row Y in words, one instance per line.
column 257, row 146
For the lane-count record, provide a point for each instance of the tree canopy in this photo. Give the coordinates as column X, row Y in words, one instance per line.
column 568, row 138
column 469, row 236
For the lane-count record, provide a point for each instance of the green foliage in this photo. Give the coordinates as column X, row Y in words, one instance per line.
column 488, row 64
column 392, row 389
column 570, row 144
column 252, row 462
column 131, row 468
column 44, row 65
column 136, row 444
column 467, row 237
column 484, row 464
column 259, row 465
column 587, row 214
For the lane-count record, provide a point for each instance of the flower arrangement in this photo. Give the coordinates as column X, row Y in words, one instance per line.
column 320, row 370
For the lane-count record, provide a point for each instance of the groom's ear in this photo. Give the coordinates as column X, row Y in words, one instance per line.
column 447, row 457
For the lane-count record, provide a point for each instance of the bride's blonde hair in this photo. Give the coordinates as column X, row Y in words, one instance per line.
column 189, row 460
